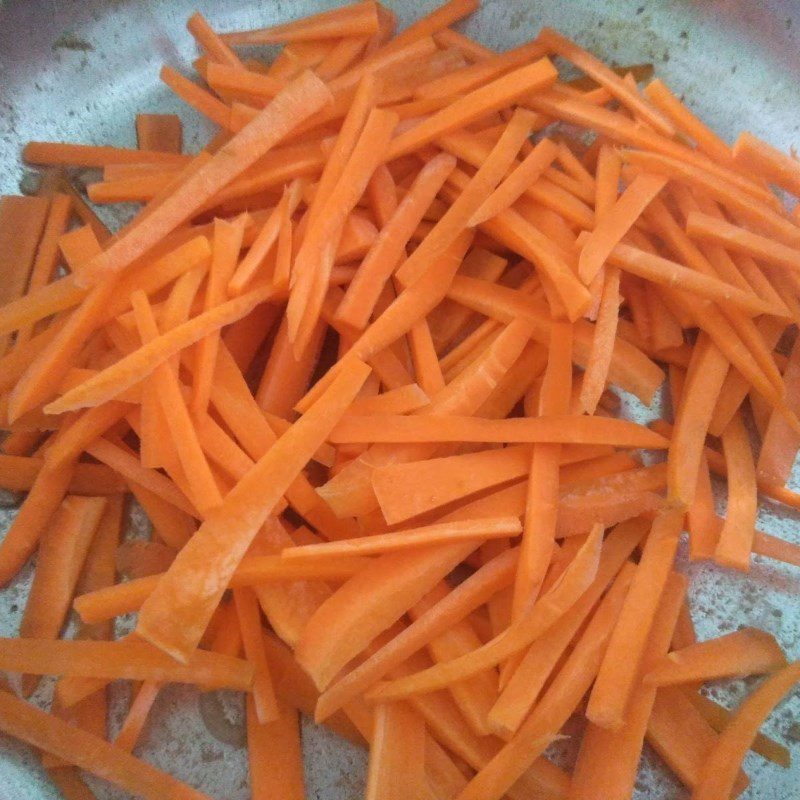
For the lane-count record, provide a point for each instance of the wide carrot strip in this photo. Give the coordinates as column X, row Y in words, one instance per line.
column 682, row 737
column 616, row 222
column 274, row 756
column 493, row 96
column 227, row 243
column 32, row 518
column 312, row 264
column 240, row 83
column 62, row 552
column 426, row 536
column 588, row 565
column 517, row 182
column 87, row 155
column 764, row 161
column 773, row 547
column 701, row 519
column 608, row 760
column 402, row 400
column 389, row 248
column 556, row 706
column 748, row 651
column 736, row 537
column 19, row 473
column 669, row 273
column 249, row 616
column 162, row 133
column 368, row 603
column 704, row 381
column 174, row 618
column 605, row 76
column 721, row 765
column 463, row 599
column 47, row 257
column 397, row 754
column 686, row 122
column 300, row 99
column 357, row 19
column 617, row 675
column 133, row 368
column 47, row 732
column 718, row 717
column 434, row 427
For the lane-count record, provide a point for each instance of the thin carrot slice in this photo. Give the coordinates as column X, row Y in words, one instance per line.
column 721, row 766
column 748, row 651
column 762, row 160
column 162, row 133
column 89, row 752
column 136, row 718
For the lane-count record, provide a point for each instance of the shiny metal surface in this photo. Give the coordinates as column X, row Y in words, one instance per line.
column 78, row 70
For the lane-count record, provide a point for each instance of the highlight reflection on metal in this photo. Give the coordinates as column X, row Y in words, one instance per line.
column 80, row 71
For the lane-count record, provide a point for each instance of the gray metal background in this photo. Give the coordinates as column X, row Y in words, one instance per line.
column 79, row 70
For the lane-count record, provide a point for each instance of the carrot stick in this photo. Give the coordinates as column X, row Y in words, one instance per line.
column 561, row 699
column 608, row 760
column 249, row 616
column 87, row 155
column 211, row 42
column 89, row 752
column 453, row 428
column 748, row 651
column 243, row 511
column 760, row 159
column 274, row 755
column 387, row 251
column 226, row 246
column 720, row 767
column 469, row 595
column 357, row 19
column 162, row 133
column 396, row 401
column 616, row 222
column 19, row 473
column 301, row 98
column 136, row 718
column 773, row 547
column 736, row 537
column 617, row 674
column 701, row 519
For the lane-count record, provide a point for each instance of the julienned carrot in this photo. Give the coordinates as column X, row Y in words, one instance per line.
column 162, row 133
column 764, row 161
column 748, row 651
column 46, row 732
column 178, row 628
column 722, row 763
column 438, row 428
column 86, row 155
column 617, row 674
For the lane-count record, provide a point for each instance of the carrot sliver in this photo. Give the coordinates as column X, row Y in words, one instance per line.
column 136, row 718
column 762, row 160
column 162, row 133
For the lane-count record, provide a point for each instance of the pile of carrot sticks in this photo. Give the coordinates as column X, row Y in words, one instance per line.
column 360, row 361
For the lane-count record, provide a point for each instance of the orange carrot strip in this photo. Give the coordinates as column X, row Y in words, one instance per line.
column 129, row 660
column 19, row 473
column 764, row 161
column 162, row 133
column 301, row 98
column 608, row 760
column 736, row 537
column 131, row 369
column 47, row 732
column 226, row 246
column 748, row 651
column 274, row 756
column 47, row 256
column 454, row 428
column 493, row 96
column 686, row 122
column 246, row 507
column 136, row 718
column 249, row 616
column 588, row 566
column 472, row 50
column 211, row 42
column 772, row 547
column 197, row 97
column 427, row 536
column 87, row 155
column 357, row 19
column 382, row 195
column 388, row 249
column 559, row 702
column 617, row 674
column 605, row 76
column 231, row 81
column 616, row 222
column 402, row 400
column 720, row 768
column 32, row 518
column 701, row 519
